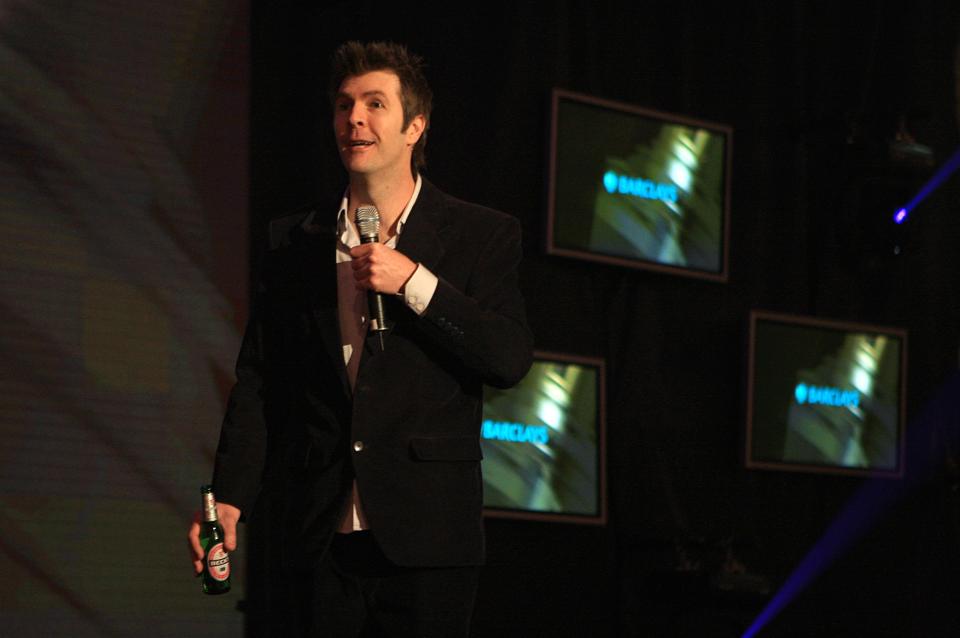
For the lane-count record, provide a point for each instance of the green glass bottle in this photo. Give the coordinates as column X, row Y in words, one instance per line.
column 216, row 560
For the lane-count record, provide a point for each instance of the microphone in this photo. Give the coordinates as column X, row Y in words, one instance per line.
column 367, row 219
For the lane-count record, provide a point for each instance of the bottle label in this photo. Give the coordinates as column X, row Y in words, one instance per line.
column 218, row 562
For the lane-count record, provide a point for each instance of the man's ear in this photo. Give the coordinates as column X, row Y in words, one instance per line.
column 415, row 129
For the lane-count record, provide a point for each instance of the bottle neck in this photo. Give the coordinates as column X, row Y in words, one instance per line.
column 209, row 508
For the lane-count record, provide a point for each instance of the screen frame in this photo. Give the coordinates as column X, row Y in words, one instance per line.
column 600, row 518
column 797, row 320
column 558, row 94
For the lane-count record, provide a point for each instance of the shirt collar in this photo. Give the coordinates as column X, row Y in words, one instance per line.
column 346, row 231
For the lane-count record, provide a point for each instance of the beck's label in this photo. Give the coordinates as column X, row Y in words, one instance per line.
column 218, row 562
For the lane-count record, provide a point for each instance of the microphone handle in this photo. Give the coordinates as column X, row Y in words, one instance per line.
column 378, row 317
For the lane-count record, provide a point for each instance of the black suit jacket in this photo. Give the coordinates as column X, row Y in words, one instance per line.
column 295, row 438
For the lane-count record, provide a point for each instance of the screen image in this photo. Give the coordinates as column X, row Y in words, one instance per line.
column 124, row 179
column 825, row 396
column 543, row 443
column 638, row 188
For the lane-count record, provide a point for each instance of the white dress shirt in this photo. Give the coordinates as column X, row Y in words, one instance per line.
column 354, row 320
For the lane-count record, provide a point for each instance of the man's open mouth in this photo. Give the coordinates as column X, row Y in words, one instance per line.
column 360, row 143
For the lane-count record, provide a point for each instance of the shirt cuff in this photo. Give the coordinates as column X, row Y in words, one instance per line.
column 419, row 289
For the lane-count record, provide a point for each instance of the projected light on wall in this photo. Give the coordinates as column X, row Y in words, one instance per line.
column 123, row 208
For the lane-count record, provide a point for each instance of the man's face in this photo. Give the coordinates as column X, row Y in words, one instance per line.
column 368, row 125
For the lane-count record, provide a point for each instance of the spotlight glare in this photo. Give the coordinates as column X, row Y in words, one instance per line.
column 938, row 178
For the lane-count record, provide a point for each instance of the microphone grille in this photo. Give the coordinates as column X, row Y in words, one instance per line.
column 367, row 219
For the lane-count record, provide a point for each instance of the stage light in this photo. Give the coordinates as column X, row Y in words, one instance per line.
column 938, row 178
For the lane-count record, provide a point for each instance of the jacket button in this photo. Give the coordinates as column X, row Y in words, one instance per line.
column 358, row 446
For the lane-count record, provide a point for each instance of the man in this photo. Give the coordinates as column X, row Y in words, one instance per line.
column 368, row 459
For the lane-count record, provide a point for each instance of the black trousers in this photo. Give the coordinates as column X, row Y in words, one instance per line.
column 357, row 592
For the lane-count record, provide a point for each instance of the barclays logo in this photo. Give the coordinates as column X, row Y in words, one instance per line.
column 610, row 181
column 515, row 432
column 834, row 397
column 639, row 187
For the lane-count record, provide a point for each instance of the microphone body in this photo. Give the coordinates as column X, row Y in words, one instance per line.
column 367, row 219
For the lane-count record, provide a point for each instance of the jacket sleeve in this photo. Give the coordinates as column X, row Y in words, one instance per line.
column 484, row 325
column 239, row 461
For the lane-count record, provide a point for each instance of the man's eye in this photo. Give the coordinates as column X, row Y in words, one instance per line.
column 377, row 104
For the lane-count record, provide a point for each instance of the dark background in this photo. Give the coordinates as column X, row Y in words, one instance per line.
column 814, row 92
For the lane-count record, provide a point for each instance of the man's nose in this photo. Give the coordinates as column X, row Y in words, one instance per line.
column 355, row 116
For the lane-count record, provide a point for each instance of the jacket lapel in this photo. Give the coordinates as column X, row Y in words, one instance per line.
column 316, row 250
column 422, row 239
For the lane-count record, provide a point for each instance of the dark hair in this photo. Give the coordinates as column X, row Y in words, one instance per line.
column 356, row 58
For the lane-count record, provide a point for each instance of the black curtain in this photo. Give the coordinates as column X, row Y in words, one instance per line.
column 814, row 92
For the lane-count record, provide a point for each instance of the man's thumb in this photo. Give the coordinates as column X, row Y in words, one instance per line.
column 228, row 515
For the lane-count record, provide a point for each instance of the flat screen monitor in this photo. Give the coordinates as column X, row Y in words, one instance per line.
column 640, row 188
column 543, row 443
column 825, row 396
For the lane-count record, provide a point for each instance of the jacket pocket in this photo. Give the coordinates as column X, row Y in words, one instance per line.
column 446, row 448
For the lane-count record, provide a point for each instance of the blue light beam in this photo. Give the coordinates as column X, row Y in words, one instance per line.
column 869, row 503
column 933, row 184
column 859, row 515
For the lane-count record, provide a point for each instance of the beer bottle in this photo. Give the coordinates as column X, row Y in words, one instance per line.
column 216, row 561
